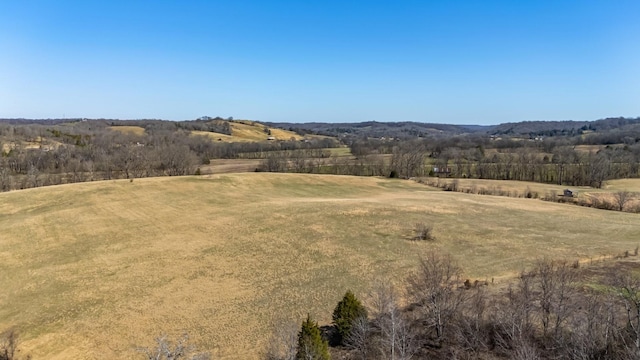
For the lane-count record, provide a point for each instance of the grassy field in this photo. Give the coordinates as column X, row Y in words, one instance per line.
column 520, row 188
column 93, row 270
column 515, row 188
column 225, row 166
column 247, row 131
column 241, row 131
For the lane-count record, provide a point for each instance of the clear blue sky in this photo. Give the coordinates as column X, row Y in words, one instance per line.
column 465, row 62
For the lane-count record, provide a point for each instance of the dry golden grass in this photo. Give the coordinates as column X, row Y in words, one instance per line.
column 38, row 143
column 546, row 191
column 248, row 131
column 225, row 166
column 622, row 185
column 134, row 130
column 519, row 187
column 514, row 187
column 245, row 131
column 280, row 134
column 220, row 137
column 92, row 270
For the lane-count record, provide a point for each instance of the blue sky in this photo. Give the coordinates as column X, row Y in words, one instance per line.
column 462, row 62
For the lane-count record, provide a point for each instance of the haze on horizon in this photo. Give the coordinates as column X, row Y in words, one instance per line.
column 462, row 62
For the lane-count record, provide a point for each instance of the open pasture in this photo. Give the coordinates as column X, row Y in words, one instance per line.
column 94, row 270
column 546, row 191
column 249, row 131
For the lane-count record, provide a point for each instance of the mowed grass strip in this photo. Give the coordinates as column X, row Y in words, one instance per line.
column 93, row 270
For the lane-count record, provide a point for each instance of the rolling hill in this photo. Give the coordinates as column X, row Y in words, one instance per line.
column 95, row 270
column 248, row 131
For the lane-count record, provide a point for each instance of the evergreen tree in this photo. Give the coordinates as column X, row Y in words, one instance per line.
column 346, row 312
column 311, row 345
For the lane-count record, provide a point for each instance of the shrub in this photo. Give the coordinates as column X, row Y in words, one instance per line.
column 8, row 345
column 311, row 345
column 455, row 184
column 393, row 174
column 528, row 193
column 345, row 314
column 423, row 232
column 165, row 349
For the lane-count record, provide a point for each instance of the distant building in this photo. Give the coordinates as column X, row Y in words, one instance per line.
column 441, row 171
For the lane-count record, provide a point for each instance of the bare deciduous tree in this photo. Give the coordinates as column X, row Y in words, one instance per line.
column 434, row 288
column 397, row 339
column 622, row 198
column 408, row 160
column 166, row 350
column 283, row 344
column 554, row 284
column 513, row 317
column 360, row 338
column 629, row 292
column 594, row 328
column 471, row 328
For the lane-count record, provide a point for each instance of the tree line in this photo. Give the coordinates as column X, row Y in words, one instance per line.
column 39, row 155
column 562, row 165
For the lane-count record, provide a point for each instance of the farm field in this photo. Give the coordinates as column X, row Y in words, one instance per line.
column 225, row 166
column 248, row 131
column 95, row 270
column 520, row 188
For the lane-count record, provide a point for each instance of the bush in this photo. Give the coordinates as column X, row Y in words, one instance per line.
column 530, row 194
column 165, row 349
column 345, row 314
column 455, row 185
column 311, row 345
column 423, row 232
column 393, row 174
column 8, row 345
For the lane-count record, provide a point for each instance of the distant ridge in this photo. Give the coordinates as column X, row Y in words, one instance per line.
column 409, row 128
column 401, row 129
